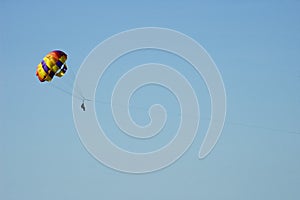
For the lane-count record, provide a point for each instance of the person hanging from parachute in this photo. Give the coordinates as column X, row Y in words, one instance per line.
column 82, row 105
column 54, row 64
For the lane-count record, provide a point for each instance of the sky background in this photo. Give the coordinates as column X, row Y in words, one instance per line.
column 255, row 45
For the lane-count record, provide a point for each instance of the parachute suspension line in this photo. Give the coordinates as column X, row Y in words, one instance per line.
column 65, row 91
column 82, row 98
column 76, row 86
column 69, row 83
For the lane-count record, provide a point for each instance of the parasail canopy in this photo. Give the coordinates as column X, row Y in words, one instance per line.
column 53, row 64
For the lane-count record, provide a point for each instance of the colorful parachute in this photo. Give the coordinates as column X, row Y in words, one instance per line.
column 52, row 64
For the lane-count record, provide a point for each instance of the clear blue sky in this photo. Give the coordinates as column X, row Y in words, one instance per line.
column 255, row 45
